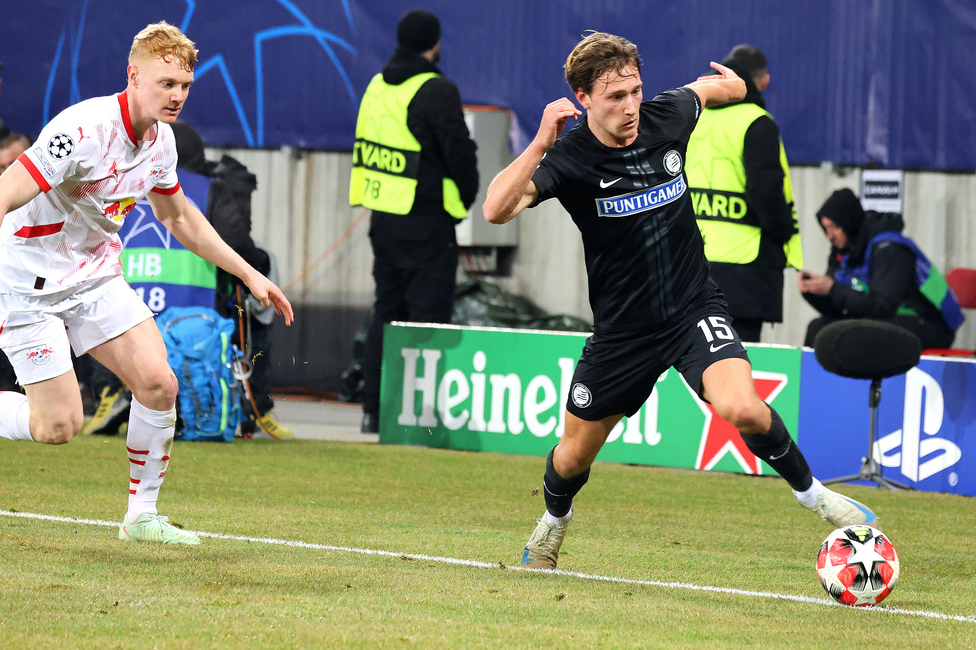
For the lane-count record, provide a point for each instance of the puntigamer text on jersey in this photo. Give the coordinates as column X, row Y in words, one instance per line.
column 636, row 202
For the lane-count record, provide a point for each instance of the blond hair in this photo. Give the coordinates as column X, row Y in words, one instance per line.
column 162, row 40
column 596, row 54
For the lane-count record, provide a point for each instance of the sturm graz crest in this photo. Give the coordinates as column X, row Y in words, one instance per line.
column 60, row 146
column 672, row 162
column 581, row 395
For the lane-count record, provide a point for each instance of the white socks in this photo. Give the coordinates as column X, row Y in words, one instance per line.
column 552, row 520
column 809, row 496
column 148, row 441
column 15, row 423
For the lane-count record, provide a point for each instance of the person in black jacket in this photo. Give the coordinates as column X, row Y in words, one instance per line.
column 887, row 290
column 737, row 168
column 229, row 210
column 414, row 245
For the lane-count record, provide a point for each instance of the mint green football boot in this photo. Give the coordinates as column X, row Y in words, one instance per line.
column 155, row 528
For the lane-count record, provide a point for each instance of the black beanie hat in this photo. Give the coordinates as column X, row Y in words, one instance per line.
column 418, row 31
column 844, row 209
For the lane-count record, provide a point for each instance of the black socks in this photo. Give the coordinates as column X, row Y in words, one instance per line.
column 780, row 452
column 559, row 491
column 776, row 447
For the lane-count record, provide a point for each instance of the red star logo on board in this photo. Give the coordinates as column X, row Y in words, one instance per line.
column 719, row 437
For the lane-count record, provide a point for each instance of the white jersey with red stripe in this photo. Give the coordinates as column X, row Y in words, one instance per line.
column 92, row 172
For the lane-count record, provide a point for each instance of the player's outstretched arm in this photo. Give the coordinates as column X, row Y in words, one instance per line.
column 192, row 229
column 718, row 89
column 17, row 187
column 513, row 190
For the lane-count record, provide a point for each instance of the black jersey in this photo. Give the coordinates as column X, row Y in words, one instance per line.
column 645, row 258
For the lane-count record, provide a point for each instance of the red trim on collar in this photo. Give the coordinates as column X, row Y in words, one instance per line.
column 126, row 118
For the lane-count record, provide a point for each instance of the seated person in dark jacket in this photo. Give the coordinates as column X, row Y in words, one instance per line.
column 876, row 272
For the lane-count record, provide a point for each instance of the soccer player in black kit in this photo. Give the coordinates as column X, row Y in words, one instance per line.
column 620, row 174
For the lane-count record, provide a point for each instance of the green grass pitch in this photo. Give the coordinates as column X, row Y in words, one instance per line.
column 75, row 585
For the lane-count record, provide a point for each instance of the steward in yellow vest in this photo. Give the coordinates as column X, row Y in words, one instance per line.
column 414, row 166
column 740, row 187
column 387, row 156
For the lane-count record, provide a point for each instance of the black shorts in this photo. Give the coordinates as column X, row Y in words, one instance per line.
column 618, row 370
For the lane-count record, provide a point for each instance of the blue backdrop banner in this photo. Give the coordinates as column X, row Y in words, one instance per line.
column 880, row 81
column 927, row 426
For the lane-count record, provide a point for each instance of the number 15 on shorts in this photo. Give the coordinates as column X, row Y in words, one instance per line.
column 715, row 328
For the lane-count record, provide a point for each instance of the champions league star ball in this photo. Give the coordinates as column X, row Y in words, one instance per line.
column 857, row 566
column 60, row 146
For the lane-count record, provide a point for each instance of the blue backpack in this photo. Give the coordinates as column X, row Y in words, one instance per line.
column 200, row 352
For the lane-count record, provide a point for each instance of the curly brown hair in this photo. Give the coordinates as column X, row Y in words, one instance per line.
column 594, row 55
column 162, row 40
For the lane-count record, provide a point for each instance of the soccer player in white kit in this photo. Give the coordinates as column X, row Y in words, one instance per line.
column 61, row 206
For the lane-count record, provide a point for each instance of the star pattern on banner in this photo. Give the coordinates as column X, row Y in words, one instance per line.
column 719, row 437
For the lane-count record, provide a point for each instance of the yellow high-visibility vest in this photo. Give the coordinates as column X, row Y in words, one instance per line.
column 717, row 182
column 386, row 156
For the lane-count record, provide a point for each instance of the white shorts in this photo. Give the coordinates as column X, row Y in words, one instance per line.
column 35, row 331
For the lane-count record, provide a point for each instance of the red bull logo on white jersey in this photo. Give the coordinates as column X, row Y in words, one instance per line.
column 117, row 211
column 40, row 354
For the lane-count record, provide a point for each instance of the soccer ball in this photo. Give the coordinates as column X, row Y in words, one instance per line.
column 857, row 566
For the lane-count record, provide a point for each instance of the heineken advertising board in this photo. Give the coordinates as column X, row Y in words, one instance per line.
column 485, row 389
